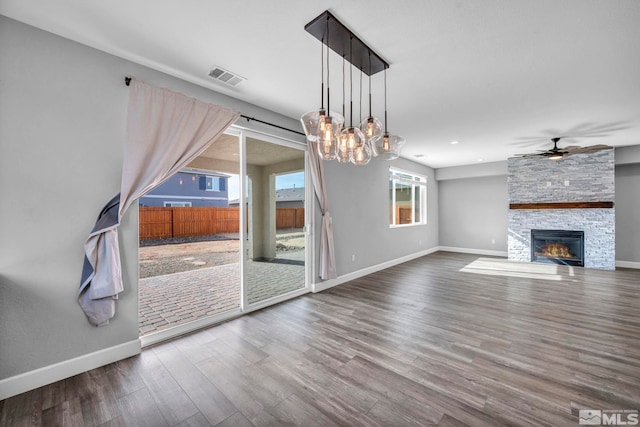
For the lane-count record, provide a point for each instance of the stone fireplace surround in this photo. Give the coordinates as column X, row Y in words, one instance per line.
column 577, row 178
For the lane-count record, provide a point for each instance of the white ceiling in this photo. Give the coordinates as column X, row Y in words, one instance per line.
column 500, row 76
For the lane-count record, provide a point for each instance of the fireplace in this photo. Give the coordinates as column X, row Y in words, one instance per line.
column 558, row 247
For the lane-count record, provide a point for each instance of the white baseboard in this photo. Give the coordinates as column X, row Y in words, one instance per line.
column 473, row 251
column 628, row 264
column 15, row 385
column 319, row 287
column 621, row 264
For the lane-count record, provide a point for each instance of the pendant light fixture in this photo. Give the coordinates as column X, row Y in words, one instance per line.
column 389, row 146
column 371, row 126
column 353, row 136
column 313, row 121
column 322, row 127
column 344, row 155
column 362, row 151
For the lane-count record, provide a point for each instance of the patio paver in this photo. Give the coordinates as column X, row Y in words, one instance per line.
column 177, row 298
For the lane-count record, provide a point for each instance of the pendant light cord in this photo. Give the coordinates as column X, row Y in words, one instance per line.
column 385, row 100
column 328, row 68
column 360, row 95
column 370, row 115
column 344, row 112
column 351, row 82
column 322, row 73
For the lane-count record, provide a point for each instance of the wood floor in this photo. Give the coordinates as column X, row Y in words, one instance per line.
column 445, row 340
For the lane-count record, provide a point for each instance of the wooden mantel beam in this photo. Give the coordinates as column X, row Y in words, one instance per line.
column 562, row 205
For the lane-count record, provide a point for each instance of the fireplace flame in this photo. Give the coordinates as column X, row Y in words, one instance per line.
column 557, row 250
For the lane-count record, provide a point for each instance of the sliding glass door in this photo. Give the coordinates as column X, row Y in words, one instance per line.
column 275, row 233
column 225, row 235
column 189, row 255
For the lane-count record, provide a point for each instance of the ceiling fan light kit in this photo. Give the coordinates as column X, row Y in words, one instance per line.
column 323, row 127
column 556, row 153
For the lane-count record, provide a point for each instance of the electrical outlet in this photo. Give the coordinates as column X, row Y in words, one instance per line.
column 493, row 241
column 566, row 183
column 353, row 258
column 548, row 183
column 420, row 242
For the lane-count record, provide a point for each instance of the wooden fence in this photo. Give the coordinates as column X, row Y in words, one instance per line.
column 164, row 223
column 289, row 218
column 403, row 214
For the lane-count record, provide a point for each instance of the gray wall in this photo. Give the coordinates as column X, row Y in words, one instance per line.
column 359, row 206
column 62, row 124
column 473, row 213
column 457, row 198
column 628, row 212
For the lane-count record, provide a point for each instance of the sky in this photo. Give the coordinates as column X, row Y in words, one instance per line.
column 289, row 180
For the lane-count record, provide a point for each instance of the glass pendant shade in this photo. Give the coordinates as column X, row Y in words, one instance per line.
column 328, row 136
column 361, row 154
column 344, row 155
column 389, row 146
column 350, row 139
column 313, row 124
column 372, row 129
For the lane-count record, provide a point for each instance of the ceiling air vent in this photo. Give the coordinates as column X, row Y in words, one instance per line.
column 226, row 77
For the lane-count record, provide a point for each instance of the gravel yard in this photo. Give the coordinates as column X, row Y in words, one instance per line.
column 167, row 256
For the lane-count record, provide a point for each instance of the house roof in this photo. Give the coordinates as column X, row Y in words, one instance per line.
column 282, row 195
column 204, row 172
column 290, row 194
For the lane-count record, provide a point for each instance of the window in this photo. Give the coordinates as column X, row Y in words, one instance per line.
column 212, row 183
column 177, row 204
column 407, row 198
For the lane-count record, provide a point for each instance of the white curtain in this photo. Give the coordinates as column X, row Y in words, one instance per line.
column 165, row 131
column 327, row 252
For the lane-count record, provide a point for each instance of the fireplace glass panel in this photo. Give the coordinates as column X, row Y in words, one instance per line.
column 558, row 247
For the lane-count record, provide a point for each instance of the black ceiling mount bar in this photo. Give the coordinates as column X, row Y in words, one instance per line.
column 127, row 81
column 339, row 41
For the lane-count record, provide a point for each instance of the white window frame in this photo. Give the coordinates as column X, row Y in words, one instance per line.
column 213, row 180
column 176, row 204
column 418, row 183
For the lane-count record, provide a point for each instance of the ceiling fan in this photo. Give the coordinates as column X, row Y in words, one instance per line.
column 556, row 153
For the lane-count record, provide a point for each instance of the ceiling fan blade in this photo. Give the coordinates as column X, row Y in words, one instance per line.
column 590, row 149
column 527, row 155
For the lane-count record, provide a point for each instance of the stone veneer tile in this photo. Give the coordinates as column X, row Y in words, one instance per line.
column 591, row 178
column 598, row 226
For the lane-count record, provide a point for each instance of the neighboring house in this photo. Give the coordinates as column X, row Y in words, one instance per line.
column 290, row 197
column 285, row 198
column 190, row 188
